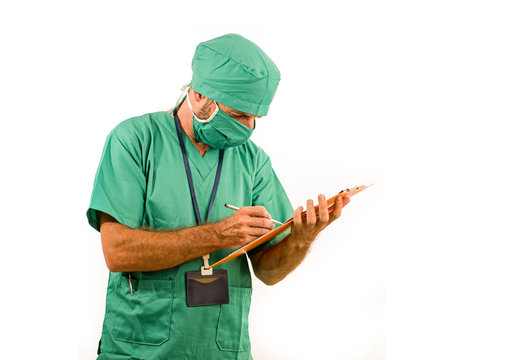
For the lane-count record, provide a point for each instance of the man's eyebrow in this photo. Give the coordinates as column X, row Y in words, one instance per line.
column 238, row 113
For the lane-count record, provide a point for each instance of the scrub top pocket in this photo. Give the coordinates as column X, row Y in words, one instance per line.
column 145, row 316
column 233, row 323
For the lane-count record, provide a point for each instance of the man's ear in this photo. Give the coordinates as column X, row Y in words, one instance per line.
column 201, row 100
column 198, row 97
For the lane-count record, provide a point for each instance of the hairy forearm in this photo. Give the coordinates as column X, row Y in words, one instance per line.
column 127, row 249
column 276, row 262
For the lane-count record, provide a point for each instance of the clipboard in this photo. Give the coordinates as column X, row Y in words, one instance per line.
column 284, row 227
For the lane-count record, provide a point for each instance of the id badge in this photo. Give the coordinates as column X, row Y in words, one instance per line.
column 204, row 290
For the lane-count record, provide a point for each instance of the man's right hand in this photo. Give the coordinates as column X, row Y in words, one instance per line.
column 127, row 249
column 246, row 225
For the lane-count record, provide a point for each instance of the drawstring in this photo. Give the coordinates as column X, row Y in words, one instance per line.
column 184, row 90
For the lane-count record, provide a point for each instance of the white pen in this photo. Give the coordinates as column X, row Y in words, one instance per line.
column 236, row 208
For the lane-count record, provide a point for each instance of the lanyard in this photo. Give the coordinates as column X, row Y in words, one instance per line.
column 192, row 187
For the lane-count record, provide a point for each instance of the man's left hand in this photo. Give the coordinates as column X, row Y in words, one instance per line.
column 306, row 229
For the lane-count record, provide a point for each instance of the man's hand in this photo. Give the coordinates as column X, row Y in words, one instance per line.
column 127, row 249
column 274, row 263
column 246, row 225
column 306, row 229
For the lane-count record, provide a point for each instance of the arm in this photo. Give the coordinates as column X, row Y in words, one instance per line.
column 276, row 262
column 127, row 249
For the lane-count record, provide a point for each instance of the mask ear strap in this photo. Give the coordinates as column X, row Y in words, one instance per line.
column 182, row 96
column 197, row 119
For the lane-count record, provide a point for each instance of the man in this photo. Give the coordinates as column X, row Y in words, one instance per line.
column 158, row 202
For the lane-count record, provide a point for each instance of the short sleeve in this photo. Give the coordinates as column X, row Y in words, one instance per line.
column 269, row 193
column 120, row 184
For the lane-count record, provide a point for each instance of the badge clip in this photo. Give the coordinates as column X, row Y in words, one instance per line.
column 205, row 270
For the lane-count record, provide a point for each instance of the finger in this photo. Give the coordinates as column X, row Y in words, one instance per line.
column 249, row 239
column 257, row 231
column 297, row 216
column 337, row 208
column 311, row 213
column 257, row 211
column 246, row 240
column 260, row 222
column 323, row 209
column 346, row 200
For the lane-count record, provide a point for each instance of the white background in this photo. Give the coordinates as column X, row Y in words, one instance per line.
column 408, row 95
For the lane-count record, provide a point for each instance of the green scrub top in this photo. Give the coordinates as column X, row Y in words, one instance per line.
column 142, row 183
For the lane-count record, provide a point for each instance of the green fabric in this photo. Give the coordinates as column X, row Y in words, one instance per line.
column 221, row 132
column 235, row 72
column 141, row 182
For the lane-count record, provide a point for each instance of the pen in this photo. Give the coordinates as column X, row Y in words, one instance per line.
column 236, row 208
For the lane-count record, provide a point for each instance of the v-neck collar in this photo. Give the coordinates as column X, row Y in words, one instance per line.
column 203, row 164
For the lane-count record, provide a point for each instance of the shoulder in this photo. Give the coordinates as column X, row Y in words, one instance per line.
column 139, row 127
column 135, row 135
column 256, row 155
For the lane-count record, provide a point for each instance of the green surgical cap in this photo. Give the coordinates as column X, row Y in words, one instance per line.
column 235, row 72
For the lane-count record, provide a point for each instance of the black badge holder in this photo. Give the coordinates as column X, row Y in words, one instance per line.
column 207, row 286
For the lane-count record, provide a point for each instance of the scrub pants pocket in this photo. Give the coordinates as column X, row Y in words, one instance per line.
column 145, row 316
column 233, row 323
